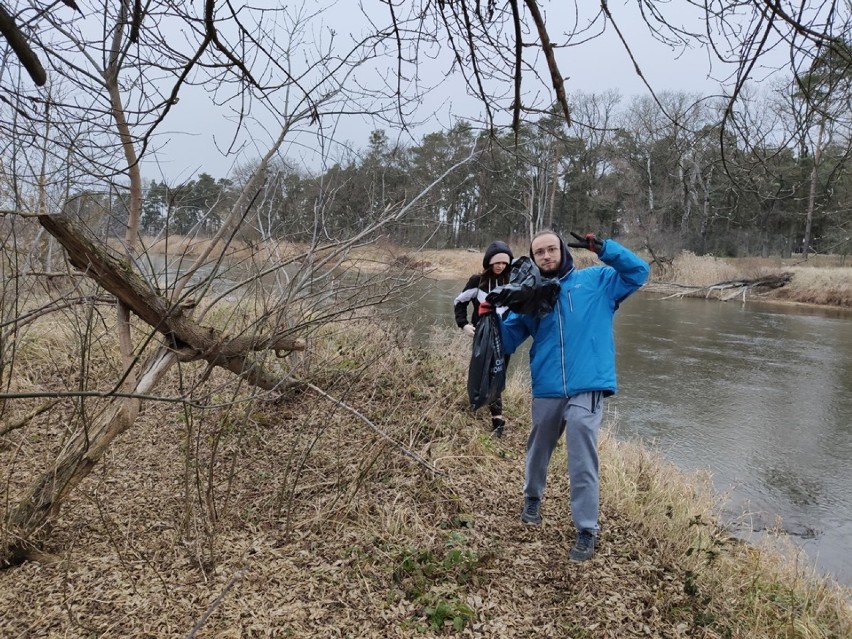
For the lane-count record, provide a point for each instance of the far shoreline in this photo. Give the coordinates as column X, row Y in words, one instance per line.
column 813, row 285
column 823, row 281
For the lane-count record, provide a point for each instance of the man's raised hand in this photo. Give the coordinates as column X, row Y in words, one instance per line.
column 588, row 241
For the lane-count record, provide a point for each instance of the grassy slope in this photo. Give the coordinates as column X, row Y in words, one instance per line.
column 297, row 519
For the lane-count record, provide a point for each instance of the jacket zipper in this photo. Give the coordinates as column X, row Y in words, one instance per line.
column 562, row 348
column 562, row 343
column 562, row 332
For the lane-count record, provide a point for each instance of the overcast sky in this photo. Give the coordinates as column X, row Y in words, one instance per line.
column 189, row 139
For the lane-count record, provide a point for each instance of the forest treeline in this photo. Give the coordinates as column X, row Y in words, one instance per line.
column 770, row 179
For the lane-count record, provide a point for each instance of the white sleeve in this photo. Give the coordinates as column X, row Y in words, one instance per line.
column 465, row 296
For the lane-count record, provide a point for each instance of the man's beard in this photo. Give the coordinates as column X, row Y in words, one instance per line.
column 552, row 273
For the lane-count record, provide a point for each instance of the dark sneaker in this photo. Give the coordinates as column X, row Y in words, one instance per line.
column 584, row 549
column 497, row 426
column 531, row 514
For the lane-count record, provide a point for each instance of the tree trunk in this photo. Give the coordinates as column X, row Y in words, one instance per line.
column 185, row 340
column 531, row 209
column 809, row 215
column 46, row 496
column 552, row 199
column 650, row 179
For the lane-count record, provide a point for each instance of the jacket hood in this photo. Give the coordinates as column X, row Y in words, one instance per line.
column 567, row 261
column 493, row 249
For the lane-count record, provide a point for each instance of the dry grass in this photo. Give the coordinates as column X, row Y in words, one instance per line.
column 376, row 257
column 820, row 285
column 695, row 270
column 818, row 281
column 693, row 275
column 294, row 518
column 188, row 246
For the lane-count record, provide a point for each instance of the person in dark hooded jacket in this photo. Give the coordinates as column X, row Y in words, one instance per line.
column 496, row 264
column 572, row 367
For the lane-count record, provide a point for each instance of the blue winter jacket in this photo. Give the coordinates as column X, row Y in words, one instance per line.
column 573, row 349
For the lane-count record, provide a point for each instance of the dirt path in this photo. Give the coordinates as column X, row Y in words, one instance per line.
column 535, row 591
column 118, row 579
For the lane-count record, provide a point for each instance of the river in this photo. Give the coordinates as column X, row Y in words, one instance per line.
column 760, row 396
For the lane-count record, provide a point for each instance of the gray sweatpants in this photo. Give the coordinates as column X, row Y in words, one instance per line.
column 580, row 418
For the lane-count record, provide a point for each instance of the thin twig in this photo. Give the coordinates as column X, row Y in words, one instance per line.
column 26, row 419
column 375, row 429
column 216, row 602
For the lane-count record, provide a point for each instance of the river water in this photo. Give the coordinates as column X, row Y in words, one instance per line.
column 761, row 396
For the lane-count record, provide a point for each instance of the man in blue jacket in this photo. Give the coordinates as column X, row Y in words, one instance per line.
column 572, row 364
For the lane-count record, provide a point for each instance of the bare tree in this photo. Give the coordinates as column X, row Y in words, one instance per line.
column 761, row 166
column 113, row 75
column 132, row 78
column 817, row 105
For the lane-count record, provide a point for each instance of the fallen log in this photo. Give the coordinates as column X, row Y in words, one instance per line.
column 737, row 287
column 769, row 281
column 182, row 332
column 185, row 339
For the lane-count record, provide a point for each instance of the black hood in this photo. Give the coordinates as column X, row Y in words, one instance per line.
column 567, row 261
column 493, row 249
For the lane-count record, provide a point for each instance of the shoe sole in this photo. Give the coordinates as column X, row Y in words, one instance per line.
column 579, row 556
column 579, row 560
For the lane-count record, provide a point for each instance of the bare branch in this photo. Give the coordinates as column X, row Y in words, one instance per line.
column 376, row 429
column 26, row 419
column 16, row 40
column 547, row 48
column 118, row 278
column 216, row 602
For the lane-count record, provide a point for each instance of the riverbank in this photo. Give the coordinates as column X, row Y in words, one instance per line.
column 822, row 280
column 385, row 511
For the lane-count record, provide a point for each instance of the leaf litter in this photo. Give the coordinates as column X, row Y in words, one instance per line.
column 300, row 522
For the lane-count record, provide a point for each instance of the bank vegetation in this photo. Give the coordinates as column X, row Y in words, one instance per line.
column 823, row 280
column 368, row 501
column 820, row 280
column 225, row 440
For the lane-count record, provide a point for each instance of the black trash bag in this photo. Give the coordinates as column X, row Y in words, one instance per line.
column 486, row 376
column 528, row 291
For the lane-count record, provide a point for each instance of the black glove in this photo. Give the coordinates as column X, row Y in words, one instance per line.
column 589, row 242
